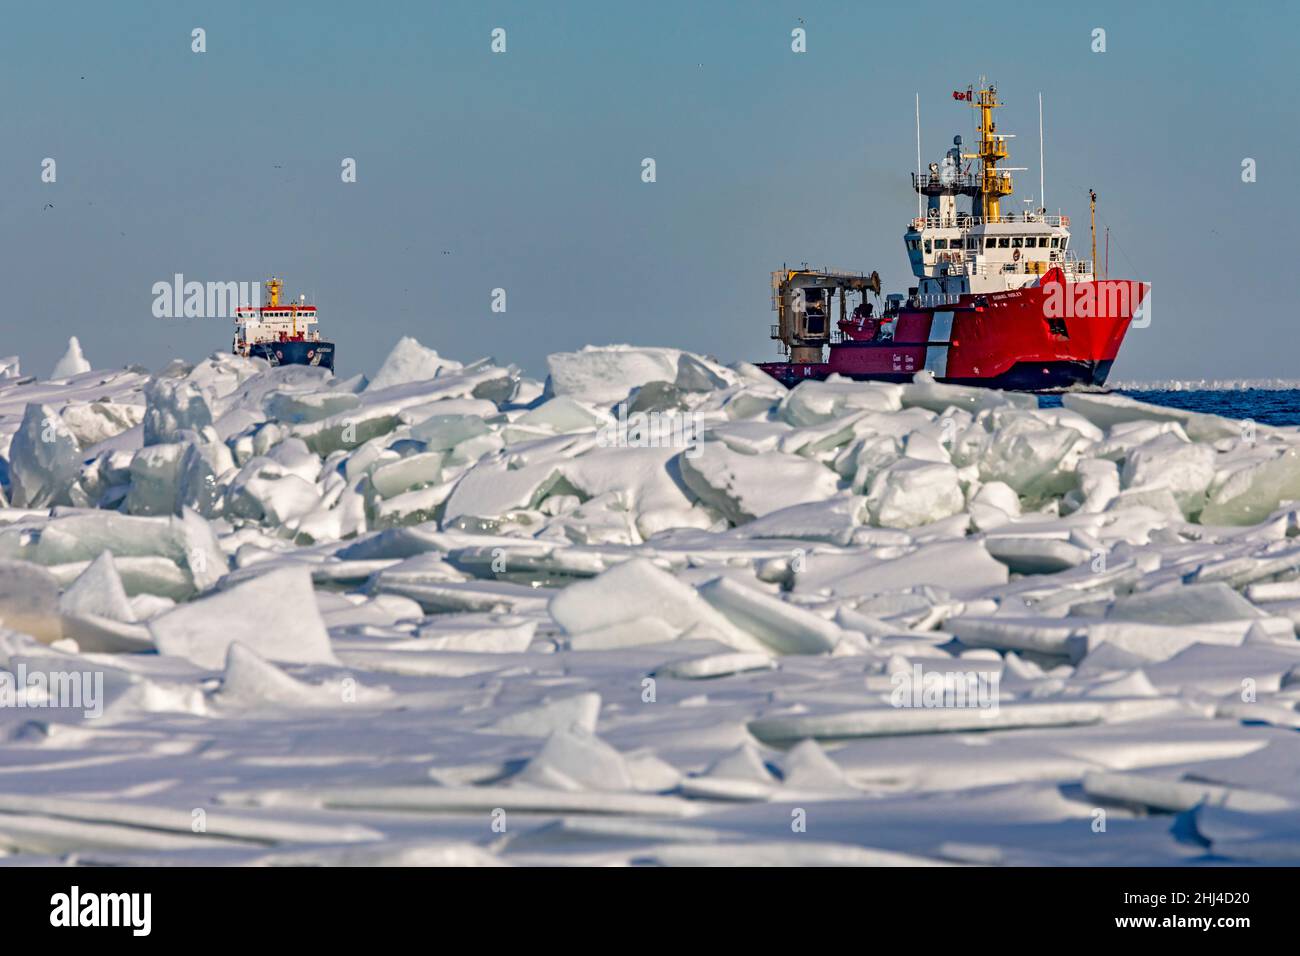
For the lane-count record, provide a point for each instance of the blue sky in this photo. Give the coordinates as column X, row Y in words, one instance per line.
column 522, row 170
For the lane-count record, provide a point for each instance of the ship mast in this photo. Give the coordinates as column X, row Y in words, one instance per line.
column 994, row 183
column 273, row 286
column 1092, row 208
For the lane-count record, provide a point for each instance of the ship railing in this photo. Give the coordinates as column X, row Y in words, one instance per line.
column 954, row 182
column 1043, row 266
column 934, row 298
column 1025, row 267
column 966, row 268
column 964, row 221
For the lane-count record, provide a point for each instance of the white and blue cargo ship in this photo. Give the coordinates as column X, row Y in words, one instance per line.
column 281, row 332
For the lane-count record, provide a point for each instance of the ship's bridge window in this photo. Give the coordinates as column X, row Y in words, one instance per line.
column 1042, row 242
column 1004, row 242
column 928, row 246
column 1056, row 241
column 1017, row 242
column 972, row 242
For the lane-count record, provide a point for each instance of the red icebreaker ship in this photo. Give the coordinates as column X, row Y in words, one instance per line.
column 1002, row 300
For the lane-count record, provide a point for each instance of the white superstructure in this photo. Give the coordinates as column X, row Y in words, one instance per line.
column 953, row 253
column 983, row 250
column 275, row 321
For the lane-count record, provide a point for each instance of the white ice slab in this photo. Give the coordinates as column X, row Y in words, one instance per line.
column 637, row 589
column 274, row 614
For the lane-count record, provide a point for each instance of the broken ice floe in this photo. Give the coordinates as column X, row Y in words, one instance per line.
column 943, row 624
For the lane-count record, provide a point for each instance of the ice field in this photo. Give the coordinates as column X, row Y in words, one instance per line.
column 653, row 610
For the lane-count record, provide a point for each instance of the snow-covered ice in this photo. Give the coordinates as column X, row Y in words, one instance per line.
column 72, row 363
column 453, row 615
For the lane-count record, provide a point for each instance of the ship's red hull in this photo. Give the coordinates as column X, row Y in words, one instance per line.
column 1045, row 337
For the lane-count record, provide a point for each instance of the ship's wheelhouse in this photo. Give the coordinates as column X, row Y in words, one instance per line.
column 965, row 253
